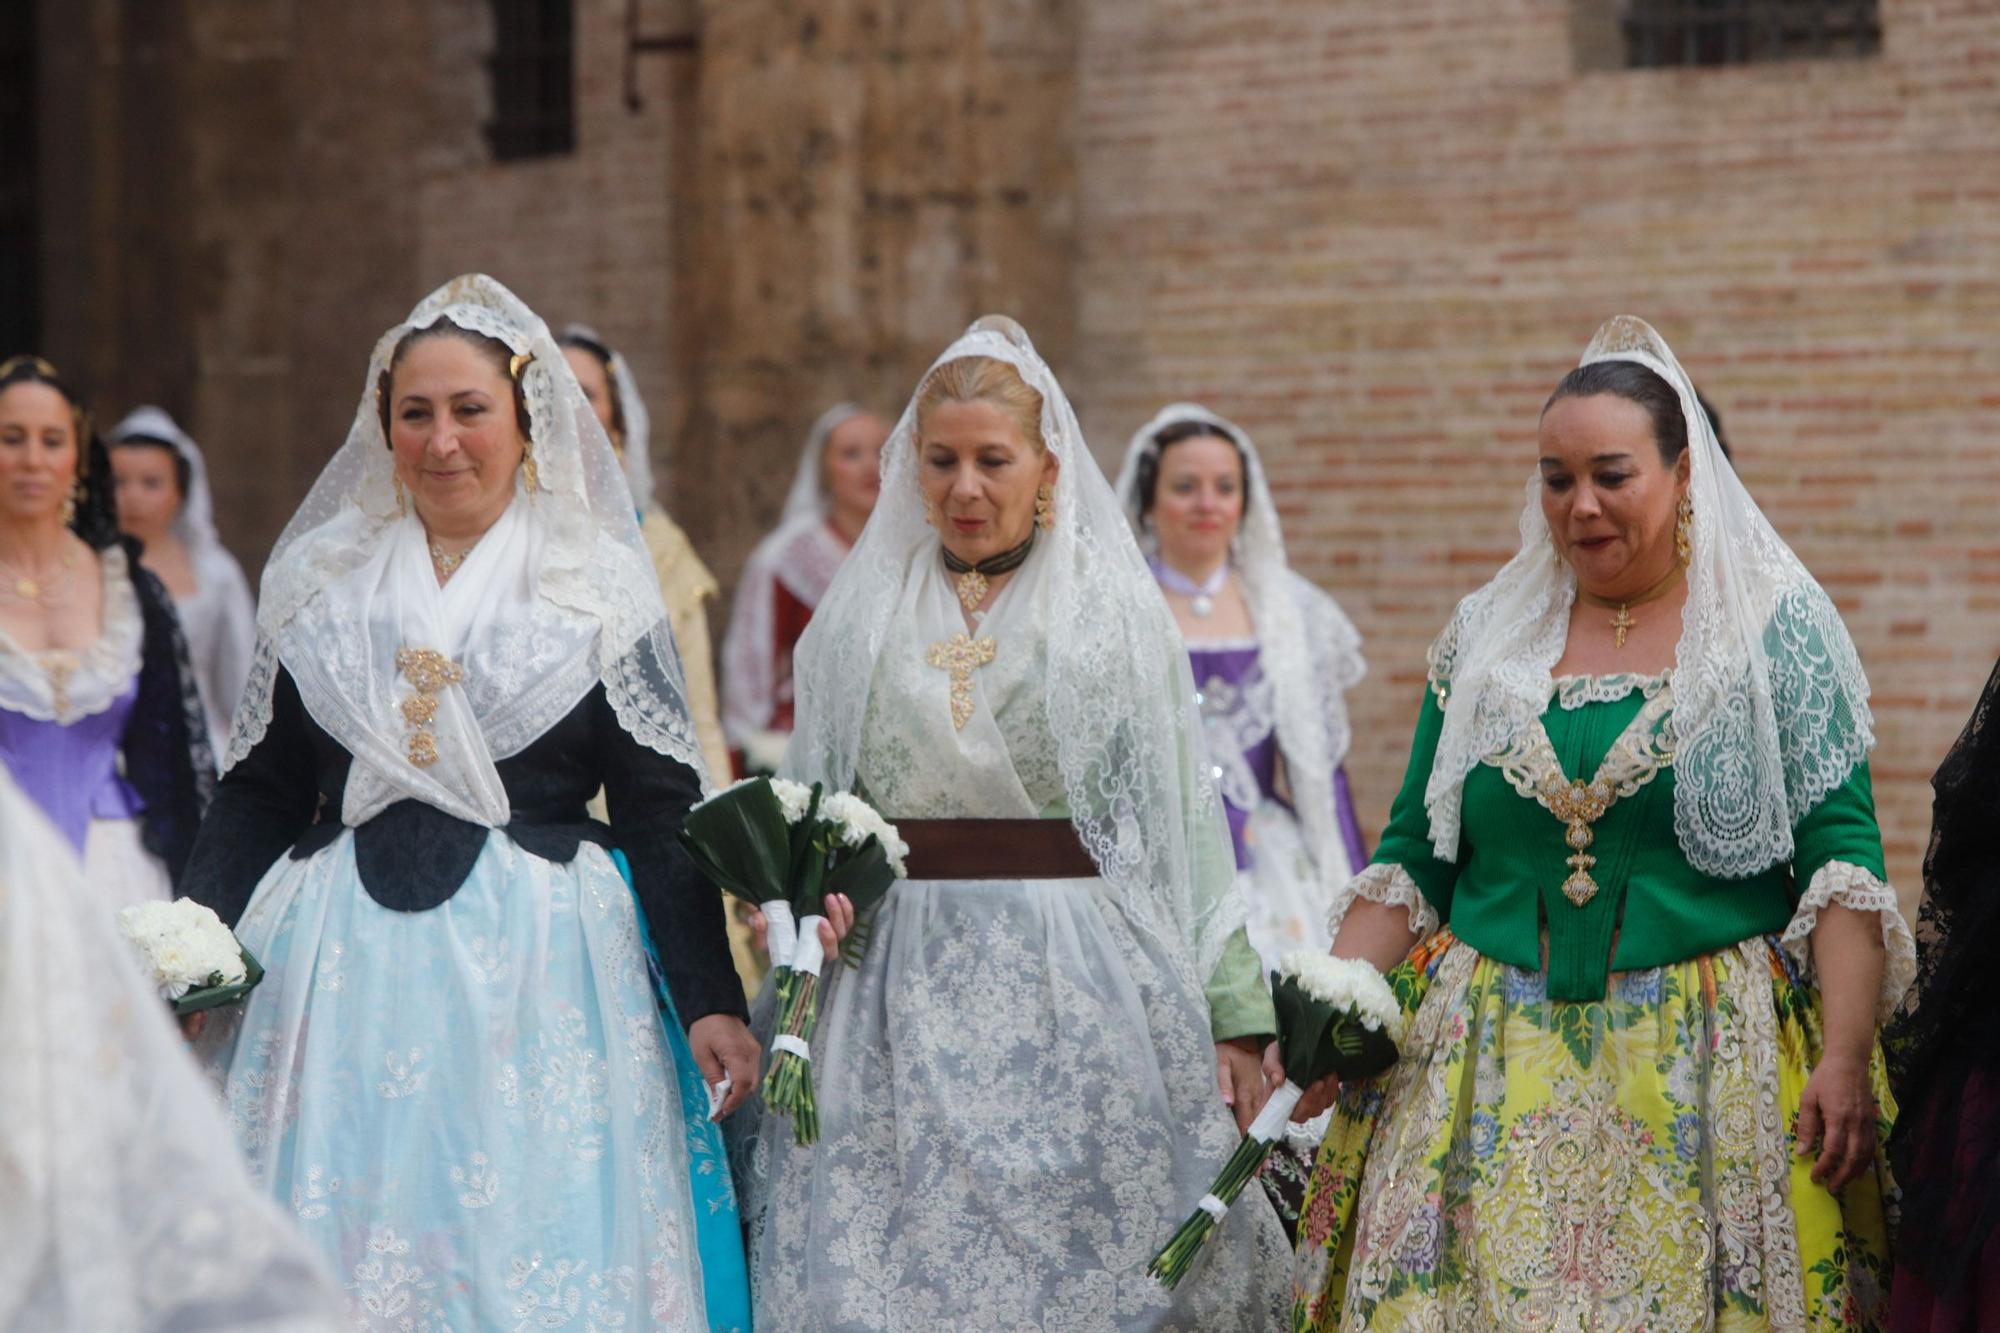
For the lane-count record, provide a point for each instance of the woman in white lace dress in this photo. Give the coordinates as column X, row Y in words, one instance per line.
column 1018, row 1086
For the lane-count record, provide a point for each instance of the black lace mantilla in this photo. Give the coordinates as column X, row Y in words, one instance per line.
column 167, row 756
column 1944, row 1047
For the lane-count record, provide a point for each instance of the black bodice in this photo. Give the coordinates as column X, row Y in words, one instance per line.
column 285, row 798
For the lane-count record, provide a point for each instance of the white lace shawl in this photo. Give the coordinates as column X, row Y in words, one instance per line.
column 1308, row 648
column 1120, row 696
column 1771, row 708
column 576, row 600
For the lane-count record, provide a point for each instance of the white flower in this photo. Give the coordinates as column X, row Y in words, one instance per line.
column 1346, row 983
column 793, row 798
column 182, row 944
column 858, row 821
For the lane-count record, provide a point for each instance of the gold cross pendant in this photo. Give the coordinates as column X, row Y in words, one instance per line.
column 960, row 656
column 1622, row 624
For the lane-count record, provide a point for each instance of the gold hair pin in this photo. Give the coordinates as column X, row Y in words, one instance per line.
column 518, row 363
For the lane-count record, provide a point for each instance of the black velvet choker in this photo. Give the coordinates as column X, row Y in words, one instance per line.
column 972, row 578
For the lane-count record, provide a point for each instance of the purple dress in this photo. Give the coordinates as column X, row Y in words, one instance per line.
column 63, row 717
column 1285, row 892
column 70, row 769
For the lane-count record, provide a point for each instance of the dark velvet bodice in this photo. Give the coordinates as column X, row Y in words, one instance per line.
column 285, row 798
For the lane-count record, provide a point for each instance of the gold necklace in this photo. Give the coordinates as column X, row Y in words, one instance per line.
column 47, row 591
column 1622, row 623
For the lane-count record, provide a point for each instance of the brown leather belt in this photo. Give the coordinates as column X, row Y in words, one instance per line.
column 995, row 849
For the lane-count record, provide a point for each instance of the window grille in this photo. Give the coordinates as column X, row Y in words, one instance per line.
column 1662, row 33
column 534, row 79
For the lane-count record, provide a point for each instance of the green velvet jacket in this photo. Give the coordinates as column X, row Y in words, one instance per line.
column 1506, row 887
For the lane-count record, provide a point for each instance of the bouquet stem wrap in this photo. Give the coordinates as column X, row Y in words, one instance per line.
column 1173, row 1261
column 781, row 936
column 788, row 1086
column 1335, row 1016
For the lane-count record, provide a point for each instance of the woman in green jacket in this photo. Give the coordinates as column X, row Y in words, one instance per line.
column 1632, row 895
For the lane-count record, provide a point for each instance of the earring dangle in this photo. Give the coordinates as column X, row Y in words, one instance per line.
column 402, row 496
column 1045, row 509
column 930, row 513
column 529, row 475
column 70, row 503
column 1684, row 531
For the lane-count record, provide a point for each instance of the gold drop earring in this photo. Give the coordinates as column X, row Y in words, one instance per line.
column 1684, row 531
column 402, row 496
column 1045, row 508
column 70, row 503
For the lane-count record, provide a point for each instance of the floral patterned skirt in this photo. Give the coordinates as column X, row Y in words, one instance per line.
column 1622, row 1164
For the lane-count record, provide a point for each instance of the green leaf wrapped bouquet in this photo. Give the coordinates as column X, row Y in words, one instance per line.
column 1335, row 1016
column 787, row 847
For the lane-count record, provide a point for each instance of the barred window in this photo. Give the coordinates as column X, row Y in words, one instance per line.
column 534, row 83
column 1661, row 33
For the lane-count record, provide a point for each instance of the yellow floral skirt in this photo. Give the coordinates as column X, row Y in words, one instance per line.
column 1622, row 1164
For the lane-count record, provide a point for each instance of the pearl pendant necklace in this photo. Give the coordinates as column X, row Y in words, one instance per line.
column 1201, row 596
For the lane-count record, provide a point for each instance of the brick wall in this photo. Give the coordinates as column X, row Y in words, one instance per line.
column 1376, row 234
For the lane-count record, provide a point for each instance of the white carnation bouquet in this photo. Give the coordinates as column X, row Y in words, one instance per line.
column 787, row 847
column 194, row 960
column 1335, row 1016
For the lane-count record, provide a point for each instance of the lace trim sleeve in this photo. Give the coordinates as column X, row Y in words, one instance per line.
column 649, row 697
column 1390, row 885
column 1858, row 890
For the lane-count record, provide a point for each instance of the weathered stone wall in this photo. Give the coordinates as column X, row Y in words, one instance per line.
column 873, row 175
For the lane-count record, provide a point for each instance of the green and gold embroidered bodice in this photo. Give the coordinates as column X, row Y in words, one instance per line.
column 1569, row 832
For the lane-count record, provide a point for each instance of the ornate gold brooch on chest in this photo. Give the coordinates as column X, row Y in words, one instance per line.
column 427, row 671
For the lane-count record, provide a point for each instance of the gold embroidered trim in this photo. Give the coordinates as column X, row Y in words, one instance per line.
column 428, row 671
column 960, row 656
column 1530, row 766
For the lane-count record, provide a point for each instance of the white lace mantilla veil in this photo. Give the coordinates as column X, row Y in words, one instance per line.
column 128, row 1205
column 1770, row 702
column 1308, row 648
column 195, row 524
column 637, row 456
column 559, row 595
column 1120, row 696
column 807, row 496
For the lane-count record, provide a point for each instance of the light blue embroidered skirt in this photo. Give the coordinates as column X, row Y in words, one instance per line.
column 472, row 1110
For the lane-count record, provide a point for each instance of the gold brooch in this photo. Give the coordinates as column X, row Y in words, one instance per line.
column 960, row 656
column 428, row 671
